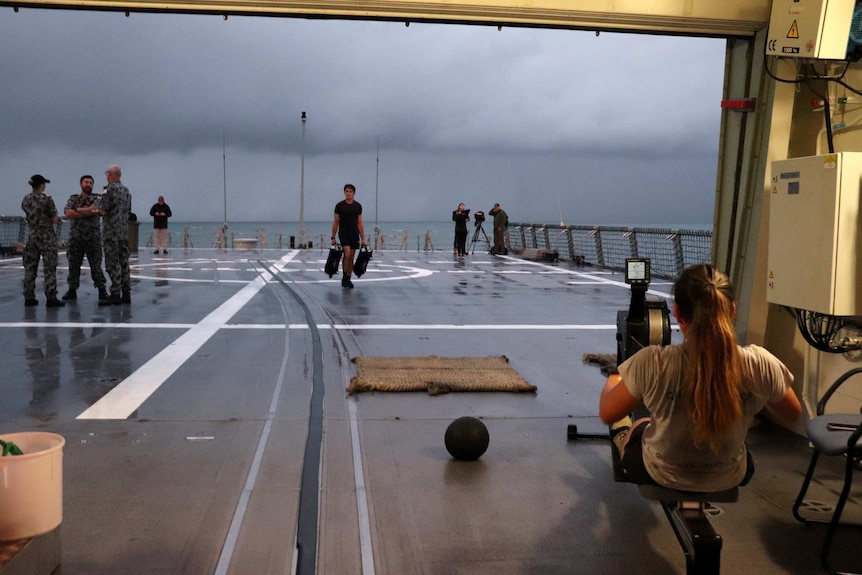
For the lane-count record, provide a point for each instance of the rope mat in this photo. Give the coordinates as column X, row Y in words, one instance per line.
column 607, row 362
column 436, row 375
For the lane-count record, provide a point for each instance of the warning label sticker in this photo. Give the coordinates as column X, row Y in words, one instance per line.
column 794, row 31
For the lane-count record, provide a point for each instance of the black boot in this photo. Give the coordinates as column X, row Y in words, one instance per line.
column 110, row 300
column 30, row 301
column 54, row 302
column 103, row 293
column 126, row 297
column 70, row 294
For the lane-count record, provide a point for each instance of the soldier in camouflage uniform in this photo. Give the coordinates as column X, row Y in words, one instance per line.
column 115, row 207
column 85, row 238
column 41, row 215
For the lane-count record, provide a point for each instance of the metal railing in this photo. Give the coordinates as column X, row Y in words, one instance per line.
column 14, row 233
column 669, row 250
column 13, row 230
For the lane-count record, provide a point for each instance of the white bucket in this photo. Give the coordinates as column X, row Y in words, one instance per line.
column 31, row 485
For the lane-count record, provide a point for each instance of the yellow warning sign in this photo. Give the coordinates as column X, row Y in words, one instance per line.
column 794, row 31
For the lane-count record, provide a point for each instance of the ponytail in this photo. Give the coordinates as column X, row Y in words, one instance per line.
column 704, row 299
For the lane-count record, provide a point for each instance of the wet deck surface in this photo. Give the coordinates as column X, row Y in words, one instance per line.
column 186, row 416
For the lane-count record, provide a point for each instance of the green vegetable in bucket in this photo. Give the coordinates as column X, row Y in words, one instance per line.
column 10, row 448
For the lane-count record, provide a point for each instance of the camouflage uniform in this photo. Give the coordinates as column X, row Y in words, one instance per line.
column 85, row 238
column 42, row 243
column 117, row 203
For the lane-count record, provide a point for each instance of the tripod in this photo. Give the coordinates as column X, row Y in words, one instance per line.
column 476, row 237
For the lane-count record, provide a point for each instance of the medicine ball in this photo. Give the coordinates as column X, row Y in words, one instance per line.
column 467, row 438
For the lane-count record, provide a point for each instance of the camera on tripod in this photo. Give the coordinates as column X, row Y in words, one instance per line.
column 478, row 218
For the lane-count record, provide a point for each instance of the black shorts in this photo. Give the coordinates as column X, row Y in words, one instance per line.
column 349, row 239
column 632, row 461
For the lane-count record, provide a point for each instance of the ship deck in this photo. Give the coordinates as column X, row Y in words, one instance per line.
column 208, row 429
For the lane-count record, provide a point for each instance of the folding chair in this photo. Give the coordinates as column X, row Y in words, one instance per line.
column 832, row 434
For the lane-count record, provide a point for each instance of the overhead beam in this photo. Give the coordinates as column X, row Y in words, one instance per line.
column 730, row 18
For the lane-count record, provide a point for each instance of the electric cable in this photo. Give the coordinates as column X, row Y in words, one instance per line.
column 828, row 77
column 849, row 87
column 805, row 76
column 827, row 116
column 776, row 78
column 821, row 331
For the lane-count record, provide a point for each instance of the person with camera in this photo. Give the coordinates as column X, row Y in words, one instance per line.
column 501, row 223
column 461, row 216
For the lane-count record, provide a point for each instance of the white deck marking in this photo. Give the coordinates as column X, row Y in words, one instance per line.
column 590, row 275
column 129, row 394
column 366, row 550
column 408, row 273
column 455, row 326
column 251, row 479
column 348, row 326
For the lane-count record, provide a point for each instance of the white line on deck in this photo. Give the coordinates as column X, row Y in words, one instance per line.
column 590, row 275
column 344, row 326
column 129, row 394
column 251, row 479
column 364, row 517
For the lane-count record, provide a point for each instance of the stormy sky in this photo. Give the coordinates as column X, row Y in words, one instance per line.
column 553, row 124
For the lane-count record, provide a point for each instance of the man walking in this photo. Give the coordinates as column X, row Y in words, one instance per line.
column 347, row 223
column 115, row 207
column 85, row 238
column 160, row 212
column 42, row 219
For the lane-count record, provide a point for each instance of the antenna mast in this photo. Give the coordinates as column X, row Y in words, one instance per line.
column 302, row 240
column 377, row 184
column 224, row 174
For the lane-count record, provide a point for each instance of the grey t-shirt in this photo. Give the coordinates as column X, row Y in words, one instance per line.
column 655, row 375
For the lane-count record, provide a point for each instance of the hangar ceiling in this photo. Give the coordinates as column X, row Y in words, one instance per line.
column 691, row 17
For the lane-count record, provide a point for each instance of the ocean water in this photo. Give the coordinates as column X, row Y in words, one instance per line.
column 433, row 235
column 205, row 234
column 409, row 235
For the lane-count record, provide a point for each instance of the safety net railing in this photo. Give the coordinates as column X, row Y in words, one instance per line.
column 670, row 250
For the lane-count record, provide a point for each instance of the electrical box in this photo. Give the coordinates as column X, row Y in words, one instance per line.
column 814, row 234
column 816, row 29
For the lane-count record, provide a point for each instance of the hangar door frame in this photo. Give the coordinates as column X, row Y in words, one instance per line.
column 746, row 141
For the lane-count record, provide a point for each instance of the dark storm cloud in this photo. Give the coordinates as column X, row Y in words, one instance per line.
column 542, row 106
